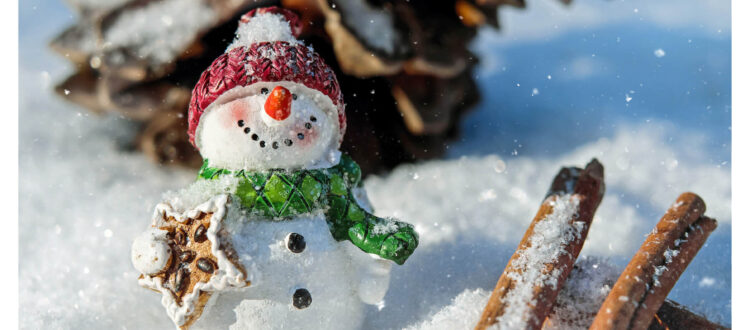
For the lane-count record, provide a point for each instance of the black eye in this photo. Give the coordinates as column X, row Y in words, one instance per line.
column 313, row 119
column 264, row 90
column 294, row 96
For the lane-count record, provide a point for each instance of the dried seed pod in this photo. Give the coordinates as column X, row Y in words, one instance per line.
column 187, row 256
column 180, row 237
column 181, row 278
column 206, row 265
column 200, row 234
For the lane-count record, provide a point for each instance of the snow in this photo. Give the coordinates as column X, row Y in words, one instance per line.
column 462, row 313
column 577, row 303
column 669, row 254
column 97, row 4
column 385, row 228
column 584, row 292
column 79, row 181
column 371, row 24
column 546, row 244
column 658, row 270
column 264, row 27
column 179, row 21
column 707, row 282
column 200, row 191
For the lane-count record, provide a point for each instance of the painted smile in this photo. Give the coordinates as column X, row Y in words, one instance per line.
column 275, row 144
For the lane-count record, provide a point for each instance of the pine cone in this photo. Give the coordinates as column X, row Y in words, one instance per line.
column 404, row 66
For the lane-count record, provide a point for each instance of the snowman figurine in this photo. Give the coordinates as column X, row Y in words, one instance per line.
column 277, row 231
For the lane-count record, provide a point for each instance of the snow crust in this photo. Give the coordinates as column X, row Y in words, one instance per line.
column 178, row 20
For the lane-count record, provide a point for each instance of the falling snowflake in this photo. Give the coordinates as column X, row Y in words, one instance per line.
column 659, row 53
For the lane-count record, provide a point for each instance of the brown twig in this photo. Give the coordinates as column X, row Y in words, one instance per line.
column 536, row 282
column 655, row 268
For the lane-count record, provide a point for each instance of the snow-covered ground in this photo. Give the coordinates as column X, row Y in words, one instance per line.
column 642, row 86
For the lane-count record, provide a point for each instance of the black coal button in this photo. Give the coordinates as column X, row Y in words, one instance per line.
column 301, row 299
column 295, row 242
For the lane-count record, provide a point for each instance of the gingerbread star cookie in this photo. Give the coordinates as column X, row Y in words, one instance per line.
column 184, row 257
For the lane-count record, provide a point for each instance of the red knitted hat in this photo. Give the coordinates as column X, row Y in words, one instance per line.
column 265, row 49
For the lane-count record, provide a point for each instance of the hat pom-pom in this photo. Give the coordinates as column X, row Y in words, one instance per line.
column 289, row 15
column 267, row 24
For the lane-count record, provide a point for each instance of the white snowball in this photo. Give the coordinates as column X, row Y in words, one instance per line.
column 150, row 253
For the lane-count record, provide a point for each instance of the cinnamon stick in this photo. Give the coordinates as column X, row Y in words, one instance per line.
column 655, row 268
column 527, row 290
column 672, row 315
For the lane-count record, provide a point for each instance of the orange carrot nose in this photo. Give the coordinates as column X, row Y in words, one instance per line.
column 279, row 103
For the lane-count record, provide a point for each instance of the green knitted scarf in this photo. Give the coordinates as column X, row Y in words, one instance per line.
column 284, row 194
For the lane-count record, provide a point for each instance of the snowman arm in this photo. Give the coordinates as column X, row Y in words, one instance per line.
column 349, row 220
column 389, row 239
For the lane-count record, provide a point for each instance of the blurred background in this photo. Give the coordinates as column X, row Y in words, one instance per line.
column 460, row 111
